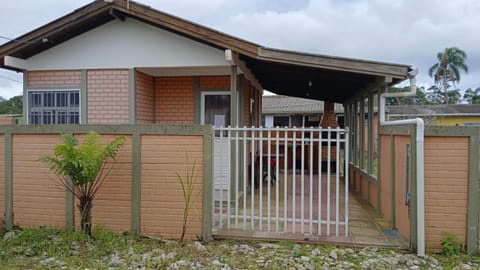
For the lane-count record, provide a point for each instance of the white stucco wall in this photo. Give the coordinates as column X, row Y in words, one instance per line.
column 127, row 44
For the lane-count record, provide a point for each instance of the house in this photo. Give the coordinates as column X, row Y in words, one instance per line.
column 439, row 115
column 279, row 110
column 120, row 67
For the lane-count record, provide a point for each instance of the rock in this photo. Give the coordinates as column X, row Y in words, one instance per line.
column 115, row 261
column 315, row 252
column 8, row 236
column 305, row 258
column 466, row 266
column 200, row 248
column 47, row 261
column 333, row 254
column 269, row 246
column 28, row 252
column 146, row 256
column 216, row 263
column 75, row 245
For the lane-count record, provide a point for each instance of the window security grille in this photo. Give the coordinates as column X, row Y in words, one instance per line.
column 52, row 107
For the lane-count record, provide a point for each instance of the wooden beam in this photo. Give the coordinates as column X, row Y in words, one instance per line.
column 232, row 58
column 335, row 63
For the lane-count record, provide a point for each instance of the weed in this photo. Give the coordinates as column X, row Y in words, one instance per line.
column 187, row 184
column 451, row 244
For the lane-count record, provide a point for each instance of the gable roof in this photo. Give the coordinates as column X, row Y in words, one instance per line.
column 434, row 110
column 279, row 104
column 280, row 71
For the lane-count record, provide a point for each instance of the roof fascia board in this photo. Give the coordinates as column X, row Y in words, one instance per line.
column 15, row 63
column 334, row 63
column 84, row 12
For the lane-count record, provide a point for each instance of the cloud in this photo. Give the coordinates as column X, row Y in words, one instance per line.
column 400, row 31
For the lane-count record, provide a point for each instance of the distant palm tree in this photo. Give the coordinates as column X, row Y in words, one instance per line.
column 472, row 96
column 447, row 69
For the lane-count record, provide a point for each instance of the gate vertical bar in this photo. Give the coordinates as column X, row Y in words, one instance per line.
column 285, row 176
column 229, row 137
column 294, row 161
column 337, row 181
column 220, row 189
column 277, row 161
column 236, row 176
column 311, row 182
column 328, row 179
column 269, row 142
column 260, row 175
column 252, row 180
column 245, row 172
column 346, row 172
column 319, row 229
column 302, row 184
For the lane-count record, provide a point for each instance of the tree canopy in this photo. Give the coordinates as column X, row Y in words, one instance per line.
column 446, row 72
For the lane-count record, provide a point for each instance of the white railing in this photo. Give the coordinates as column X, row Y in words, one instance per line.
column 282, row 180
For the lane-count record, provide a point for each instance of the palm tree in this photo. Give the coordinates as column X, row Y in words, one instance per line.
column 472, row 96
column 447, row 69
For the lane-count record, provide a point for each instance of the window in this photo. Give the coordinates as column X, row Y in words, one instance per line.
column 50, row 107
column 281, row 121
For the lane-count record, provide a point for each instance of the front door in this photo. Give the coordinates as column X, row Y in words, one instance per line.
column 215, row 110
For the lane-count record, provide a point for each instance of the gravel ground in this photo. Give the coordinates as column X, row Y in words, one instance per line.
column 117, row 252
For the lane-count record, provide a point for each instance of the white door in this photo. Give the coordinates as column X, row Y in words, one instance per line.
column 215, row 107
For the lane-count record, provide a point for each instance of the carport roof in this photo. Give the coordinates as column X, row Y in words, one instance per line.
column 284, row 72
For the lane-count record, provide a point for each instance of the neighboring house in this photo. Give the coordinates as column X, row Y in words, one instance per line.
column 285, row 111
column 438, row 115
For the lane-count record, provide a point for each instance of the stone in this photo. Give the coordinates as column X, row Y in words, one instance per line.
column 8, row 236
column 200, row 247
column 115, row 261
column 315, row 252
column 333, row 254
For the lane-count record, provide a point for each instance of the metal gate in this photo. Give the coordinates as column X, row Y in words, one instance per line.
column 281, row 181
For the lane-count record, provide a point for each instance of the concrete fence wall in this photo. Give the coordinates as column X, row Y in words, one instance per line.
column 142, row 193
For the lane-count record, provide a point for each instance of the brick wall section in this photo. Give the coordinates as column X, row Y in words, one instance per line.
column 162, row 201
column 37, row 200
column 2, row 179
column 108, row 96
column 144, row 98
column 174, row 98
column 214, row 82
column 112, row 208
column 328, row 118
column 54, row 78
column 446, row 188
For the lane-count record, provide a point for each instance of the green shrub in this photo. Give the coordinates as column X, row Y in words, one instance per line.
column 451, row 244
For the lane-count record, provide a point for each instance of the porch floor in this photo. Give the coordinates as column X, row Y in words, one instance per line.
column 366, row 228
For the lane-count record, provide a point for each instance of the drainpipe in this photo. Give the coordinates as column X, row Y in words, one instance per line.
column 418, row 122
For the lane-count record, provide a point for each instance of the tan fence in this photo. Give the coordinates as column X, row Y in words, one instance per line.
column 451, row 183
column 142, row 193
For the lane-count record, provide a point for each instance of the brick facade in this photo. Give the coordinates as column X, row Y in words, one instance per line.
column 144, row 99
column 43, row 79
column 174, row 100
column 108, row 96
column 329, row 119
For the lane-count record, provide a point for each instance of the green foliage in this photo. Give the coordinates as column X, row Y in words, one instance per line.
column 419, row 99
column 472, row 96
column 451, row 244
column 187, row 184
column 82, row 169
column 447, row 70
column 12, row 106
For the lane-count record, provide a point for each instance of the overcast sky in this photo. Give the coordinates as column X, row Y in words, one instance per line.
column 399, row 31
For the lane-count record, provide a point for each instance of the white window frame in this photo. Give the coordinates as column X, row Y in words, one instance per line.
column 43, row 90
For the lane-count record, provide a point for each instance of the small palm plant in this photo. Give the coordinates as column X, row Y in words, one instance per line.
column 83, row 169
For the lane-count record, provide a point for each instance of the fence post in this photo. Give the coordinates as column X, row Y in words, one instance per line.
column 8, row 182
column 473, row 208
column 207, row 185
column 136, row 182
